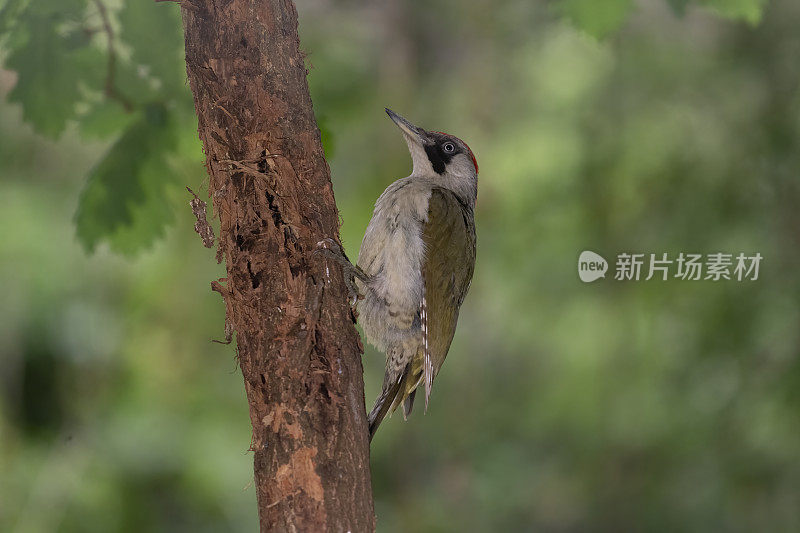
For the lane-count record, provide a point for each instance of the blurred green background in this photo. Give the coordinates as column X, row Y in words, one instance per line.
column 614, row 126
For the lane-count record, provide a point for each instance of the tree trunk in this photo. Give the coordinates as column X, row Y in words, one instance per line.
column 270, row 185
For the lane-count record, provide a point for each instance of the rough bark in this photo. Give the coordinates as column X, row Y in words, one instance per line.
column 270, row 186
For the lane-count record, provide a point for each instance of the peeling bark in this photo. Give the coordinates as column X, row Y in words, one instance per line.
column 297, row 345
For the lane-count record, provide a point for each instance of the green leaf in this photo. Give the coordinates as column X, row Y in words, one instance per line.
column 104, row 119
column 598, row 18
column 51, row 72
column 125, row 199
column 134, row 84
column 748, row 10
column 153, row 31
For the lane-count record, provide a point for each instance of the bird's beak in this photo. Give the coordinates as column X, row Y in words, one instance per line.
column 410, row 131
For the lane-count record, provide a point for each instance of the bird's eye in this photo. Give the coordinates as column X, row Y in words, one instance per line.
column 449, row 148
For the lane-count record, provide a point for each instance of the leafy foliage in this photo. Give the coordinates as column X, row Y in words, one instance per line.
column 71, row 65
column 55, row 67
column 125, row 197
column 104, row 119
column 78, row 61
column 152, row 30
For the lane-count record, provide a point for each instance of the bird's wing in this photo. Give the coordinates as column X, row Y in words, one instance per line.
column 448, row 264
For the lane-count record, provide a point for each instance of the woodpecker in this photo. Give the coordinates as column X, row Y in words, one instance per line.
column 415, row 264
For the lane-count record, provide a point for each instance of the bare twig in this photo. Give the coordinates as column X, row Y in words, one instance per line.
column 217, row 286
column 228, row 333
column 201, row 226
column 110, row 87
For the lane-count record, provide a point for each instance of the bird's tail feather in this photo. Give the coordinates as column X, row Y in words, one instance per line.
column 381, row 407
column 408, row 403
column 391, row 397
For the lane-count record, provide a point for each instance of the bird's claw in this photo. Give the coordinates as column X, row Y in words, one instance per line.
column 328, row 244
column 332, row 250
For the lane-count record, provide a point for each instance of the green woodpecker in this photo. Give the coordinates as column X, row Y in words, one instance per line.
column 415, row 264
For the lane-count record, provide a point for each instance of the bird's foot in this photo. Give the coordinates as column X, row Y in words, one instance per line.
column 330, row 249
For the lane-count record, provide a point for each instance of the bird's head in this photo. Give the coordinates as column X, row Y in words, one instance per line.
column 442, row 158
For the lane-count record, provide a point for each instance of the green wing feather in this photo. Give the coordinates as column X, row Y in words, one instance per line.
column 449, row 237
column 448, row 264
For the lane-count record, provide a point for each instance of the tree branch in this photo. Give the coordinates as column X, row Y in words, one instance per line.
column 298, row 348
column 111, row 70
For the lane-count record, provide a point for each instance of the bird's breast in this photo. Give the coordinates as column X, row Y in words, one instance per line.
column 392, row 253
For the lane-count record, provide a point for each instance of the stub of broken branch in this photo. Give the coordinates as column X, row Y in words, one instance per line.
column 201, row 226
column 228, row 333
column 217, row 286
